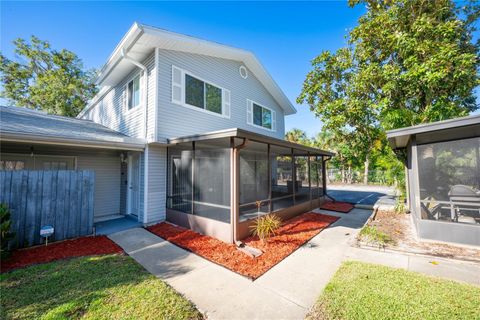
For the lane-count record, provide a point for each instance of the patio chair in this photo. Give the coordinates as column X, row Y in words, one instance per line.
column 464, row 198
column 430, row 209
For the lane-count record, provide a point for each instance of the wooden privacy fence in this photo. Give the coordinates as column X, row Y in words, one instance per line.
column 62, row 199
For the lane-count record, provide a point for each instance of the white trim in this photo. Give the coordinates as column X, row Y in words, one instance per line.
column 272, row 112
column 192, row 107
column 243, row 68
column 129, row 189
column 28, row 155
column 145, row 183
column 140, row 87
column 156, row 95
column 44, row 139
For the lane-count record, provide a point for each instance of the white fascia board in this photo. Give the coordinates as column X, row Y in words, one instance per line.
column 138, row 145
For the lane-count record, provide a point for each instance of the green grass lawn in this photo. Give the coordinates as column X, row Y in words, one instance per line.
column 103, row 287
column 365, row 291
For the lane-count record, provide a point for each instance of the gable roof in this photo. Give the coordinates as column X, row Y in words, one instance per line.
column 141, row 39
column 31, row 126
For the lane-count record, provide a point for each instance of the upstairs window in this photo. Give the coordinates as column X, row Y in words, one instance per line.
column 133, row 93
column 260, row 116
column 191, row 91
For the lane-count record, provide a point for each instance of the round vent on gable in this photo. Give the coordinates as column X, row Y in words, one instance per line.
column 243, row 72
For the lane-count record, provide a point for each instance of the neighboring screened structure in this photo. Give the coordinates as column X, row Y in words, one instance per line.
column 218, row 183
column 449, row 180
column 443, row 162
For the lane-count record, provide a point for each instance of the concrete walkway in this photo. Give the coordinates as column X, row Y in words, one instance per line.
column 286, row 291
column 463, row 271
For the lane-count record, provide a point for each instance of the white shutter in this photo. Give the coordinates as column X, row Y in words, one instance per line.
column 177, row 85
column 226, row 103
column 124, row 98
column 249, row 112
column 274, row 121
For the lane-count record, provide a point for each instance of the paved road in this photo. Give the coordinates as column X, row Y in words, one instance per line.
column 367, row 195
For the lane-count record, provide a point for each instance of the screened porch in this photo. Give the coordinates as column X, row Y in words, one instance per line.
column 218, row 183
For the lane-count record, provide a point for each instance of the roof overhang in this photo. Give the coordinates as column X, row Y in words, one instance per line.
column 240, row 133
column 399, row 138
column 141, row 40
column 129, row 144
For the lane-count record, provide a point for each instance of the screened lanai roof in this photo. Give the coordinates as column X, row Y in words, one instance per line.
column 251, row 136
column 452, row 129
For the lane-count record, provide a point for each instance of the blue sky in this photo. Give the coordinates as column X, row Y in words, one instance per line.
column 285, row 36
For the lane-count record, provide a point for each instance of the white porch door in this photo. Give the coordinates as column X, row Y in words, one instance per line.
column 133, row 184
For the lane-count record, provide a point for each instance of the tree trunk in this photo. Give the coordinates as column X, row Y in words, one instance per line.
column 349, row 178
column 343, row 174
column 365, row 174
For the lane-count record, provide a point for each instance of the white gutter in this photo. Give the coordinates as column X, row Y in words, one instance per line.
column 55, row 140
column 145, row 128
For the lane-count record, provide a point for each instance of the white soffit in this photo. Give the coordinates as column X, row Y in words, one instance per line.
column 141, row 40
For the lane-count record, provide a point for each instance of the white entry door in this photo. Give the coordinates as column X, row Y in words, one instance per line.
column 133, row 184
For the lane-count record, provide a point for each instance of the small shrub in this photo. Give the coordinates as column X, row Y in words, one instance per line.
column 400, row 206
column 373, row 235
column 266, row 226
column 5, row 226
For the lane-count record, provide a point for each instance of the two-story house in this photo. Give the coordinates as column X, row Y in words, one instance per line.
column 184, row 130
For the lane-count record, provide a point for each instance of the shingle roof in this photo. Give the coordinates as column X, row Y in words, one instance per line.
column 19, row 123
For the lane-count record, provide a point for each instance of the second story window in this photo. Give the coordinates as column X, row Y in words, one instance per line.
column 260, row 116
column 133, row 93
column 191, row 91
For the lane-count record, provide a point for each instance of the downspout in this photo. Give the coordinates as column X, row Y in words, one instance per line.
column 145, row 128
column 235, row 192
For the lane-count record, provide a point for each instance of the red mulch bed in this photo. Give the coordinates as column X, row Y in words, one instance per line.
column 290, row 236
column 85, row 246
column 338, row 206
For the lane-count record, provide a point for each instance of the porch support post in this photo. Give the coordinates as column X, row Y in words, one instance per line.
column 324, row 175
column 193, row 177
column 309, row 179
column 233, row 191
column 294, row 175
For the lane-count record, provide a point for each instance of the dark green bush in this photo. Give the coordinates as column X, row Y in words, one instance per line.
column 5, row 230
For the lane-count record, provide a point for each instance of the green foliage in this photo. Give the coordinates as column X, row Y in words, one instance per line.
column 406, row 62
column 266, row 226
column 400, row 206
column 366, row 291
column 297, row 136
column 47, row 79
column 372, row 235
column 102, row 287
column 5, row 230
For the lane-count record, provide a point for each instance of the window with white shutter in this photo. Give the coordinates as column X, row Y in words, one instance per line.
column 195, row 93
column 226, row 103
column 177, row 85
column 249, row 112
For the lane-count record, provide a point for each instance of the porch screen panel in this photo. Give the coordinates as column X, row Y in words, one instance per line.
column 253, row 179
column 180, row 177
column 314, row 177
column 282, row 177
column 449, row 181
column 212, row 180
column 302, row 189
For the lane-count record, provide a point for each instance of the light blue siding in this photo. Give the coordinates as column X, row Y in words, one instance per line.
column 175, row 120
column 111, row 111
column 156, row 184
